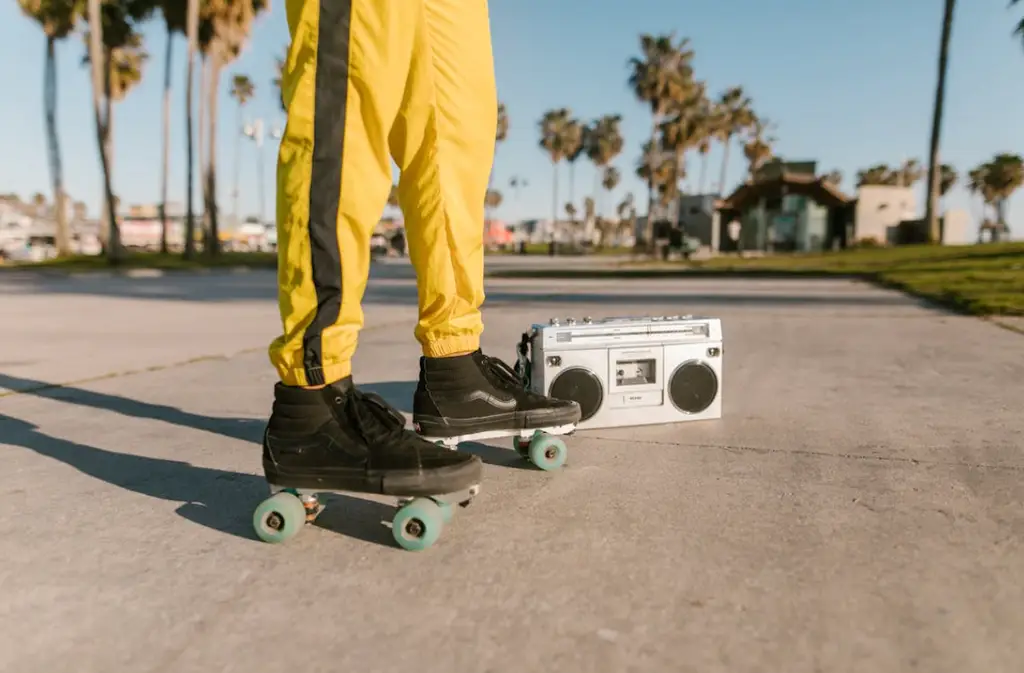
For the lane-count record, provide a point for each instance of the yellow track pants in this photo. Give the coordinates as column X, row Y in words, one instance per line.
column 365, row 80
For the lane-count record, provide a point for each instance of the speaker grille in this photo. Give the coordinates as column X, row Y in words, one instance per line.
column 693, row 387
column 580, row 386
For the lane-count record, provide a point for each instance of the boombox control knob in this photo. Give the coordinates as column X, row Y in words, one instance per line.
column 588, row 320
column 570, row 321
column 553, row 321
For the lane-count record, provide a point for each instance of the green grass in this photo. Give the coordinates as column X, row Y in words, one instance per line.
column 170, row 262
column 975, row 279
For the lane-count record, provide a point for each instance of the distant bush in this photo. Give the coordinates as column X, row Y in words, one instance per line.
column 867, row 242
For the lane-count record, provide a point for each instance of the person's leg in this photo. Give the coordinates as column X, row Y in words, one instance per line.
column 343, row 84
column 443, row 142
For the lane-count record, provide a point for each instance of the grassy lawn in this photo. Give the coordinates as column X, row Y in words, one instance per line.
column 977, row 279
column 170, row 262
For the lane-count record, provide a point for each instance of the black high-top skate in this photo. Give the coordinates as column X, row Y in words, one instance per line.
column 474, row 397
column 339, row 438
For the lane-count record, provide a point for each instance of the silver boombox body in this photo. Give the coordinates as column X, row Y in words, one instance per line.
column 628, row 371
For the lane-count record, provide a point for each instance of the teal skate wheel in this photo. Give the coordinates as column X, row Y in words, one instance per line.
column 547, row 452
column 279, row 518
column 447, row 511
column 418, row 525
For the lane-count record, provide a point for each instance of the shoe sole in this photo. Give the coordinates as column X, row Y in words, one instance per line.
column 452, row 441
column 497, row 425
column 437, row 481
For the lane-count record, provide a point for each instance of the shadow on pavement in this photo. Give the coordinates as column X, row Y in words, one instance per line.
column 244, row 429
column 217, row 499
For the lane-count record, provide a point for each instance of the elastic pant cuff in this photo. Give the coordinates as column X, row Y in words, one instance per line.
column 331, row 373
column 451, row 345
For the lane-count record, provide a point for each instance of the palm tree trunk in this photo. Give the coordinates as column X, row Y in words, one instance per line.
column 53, row 141
column 165, row 163
column 213, row 243
column 192, row 33
column 725, row 165
column 649, row 228
column 203, row 161
column 703, row 172
column 554, row 207
column 932, row 195
column 100, row 84
column 238, row 155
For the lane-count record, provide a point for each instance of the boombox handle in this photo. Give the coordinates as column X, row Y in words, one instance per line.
column 523, row 366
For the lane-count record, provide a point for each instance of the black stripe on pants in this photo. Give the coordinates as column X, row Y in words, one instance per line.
column 329, row 101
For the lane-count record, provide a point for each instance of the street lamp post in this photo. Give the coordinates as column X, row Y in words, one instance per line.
column 255, row 132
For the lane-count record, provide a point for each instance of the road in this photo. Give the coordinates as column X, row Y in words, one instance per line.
column 857, row 508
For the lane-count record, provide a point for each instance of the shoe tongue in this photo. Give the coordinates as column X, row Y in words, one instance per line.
column 376, row 419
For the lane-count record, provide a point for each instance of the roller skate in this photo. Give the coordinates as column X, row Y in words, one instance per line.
column 340, row 439
column 474, row 397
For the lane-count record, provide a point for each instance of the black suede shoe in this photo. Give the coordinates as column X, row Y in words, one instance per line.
column 339, row 438
column 473, row 395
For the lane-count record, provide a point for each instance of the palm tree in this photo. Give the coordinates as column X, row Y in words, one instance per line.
column 58, row 19
column 116, row 57
column 175, row 16
column 656, row 168
column 500, row 134
column 879, row 174
column 758, row 148
column 708, row 121
column 552, row 141
column 680, row 133
column 947, row 178
column 1001, row 177
column 603, row 143
column 192, row 35
column 225, row 29
column 242, row 90
column 657, row 77
column 95, row 42
column 1019, row 29
column 909, row 173
column 932, row 194
column 610, row 178
column 575, row 141
column 278, row 79
column 735, row 116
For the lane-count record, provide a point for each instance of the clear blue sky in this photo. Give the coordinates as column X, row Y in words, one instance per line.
column 848, row 83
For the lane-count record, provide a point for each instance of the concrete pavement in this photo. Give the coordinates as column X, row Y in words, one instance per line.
column 858, row 508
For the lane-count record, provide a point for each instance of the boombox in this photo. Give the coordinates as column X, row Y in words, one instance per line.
column 628, row 371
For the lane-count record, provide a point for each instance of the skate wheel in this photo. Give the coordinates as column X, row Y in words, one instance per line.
column 418, row 524
column 279, row 518
column 547, row 452
column 447, row 511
